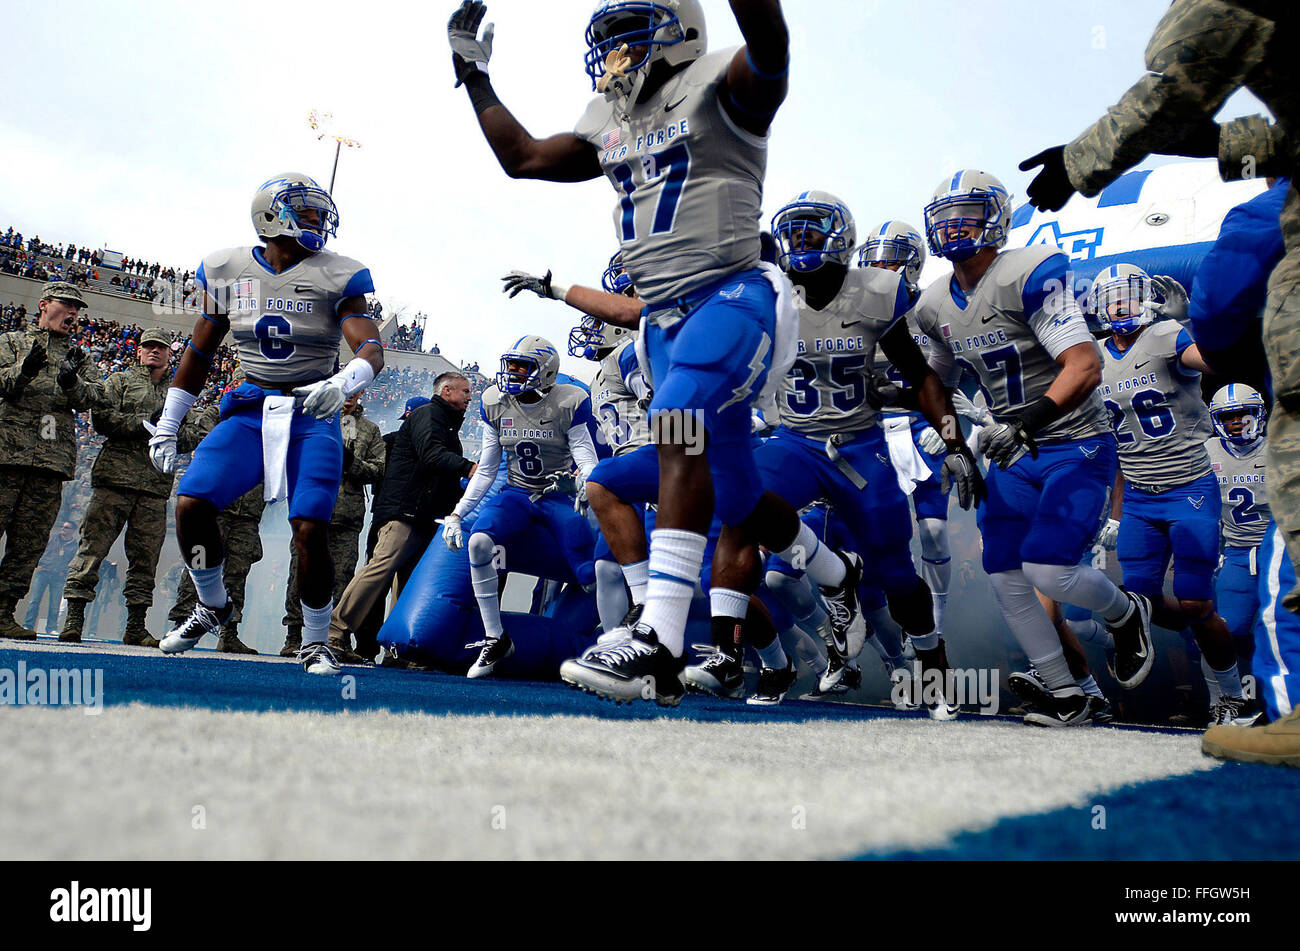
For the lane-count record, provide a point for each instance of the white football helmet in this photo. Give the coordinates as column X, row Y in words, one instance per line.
column 895, row 242
column 281, row 203
column 1238, row 398
column 542, row 359
column 592, row 339
column 813, row 213
column 668, row 30
column 1120, row 298
column 968, row 199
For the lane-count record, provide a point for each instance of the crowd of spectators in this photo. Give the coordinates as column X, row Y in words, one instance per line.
column 408, row 338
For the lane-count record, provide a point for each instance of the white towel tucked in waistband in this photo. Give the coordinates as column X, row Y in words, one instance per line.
column 906, row 458
column 277, row 420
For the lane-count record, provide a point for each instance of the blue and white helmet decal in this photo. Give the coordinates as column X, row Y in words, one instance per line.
column 668, row 30
column 898, row 243
column 284, row 206
column 1238, row 398
column 1120, row 299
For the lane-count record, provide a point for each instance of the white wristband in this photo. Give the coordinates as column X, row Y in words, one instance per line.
column 175, row 406
column 356, row 376
column 559, row 291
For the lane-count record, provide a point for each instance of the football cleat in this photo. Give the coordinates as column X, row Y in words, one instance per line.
column 1030, row 689
column 943, row 711
column 1135, row 651
column 900, row 699
column 620, row 634
column 202, row 621
column 719, row 674
column 1066, row 706
column 1102, row 710
column 1230, row 711
column 319, row 659
column 494, row 650
column 840, row 675
column 638, row 669
column 773, row 685
column 848, row 626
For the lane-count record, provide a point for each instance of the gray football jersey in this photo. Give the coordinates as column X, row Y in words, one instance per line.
column 285, row 326
column 1243, row 487
column 1155, row 407
column 883, row 366
column 689, row 182
column 617, row 408
column 825, row 390
column 535, row 436
column 1008, row 333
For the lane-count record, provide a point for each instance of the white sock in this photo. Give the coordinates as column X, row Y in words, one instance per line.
column 209, row 586
column 483, row 579
column 1229, row 680
column 611, row 595
column 823, row 565
column 676, row 556
column 1211, row 681
column 724, row 602
column 1030, row 625
column 1089, row 685
column 773, row 656
column 936, row 563
column 316, row 623
column 1052, row 669
column 1082, row 586
column 1092, row 631
column 637, row 576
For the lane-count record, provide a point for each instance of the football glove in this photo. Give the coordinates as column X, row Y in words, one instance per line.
column 518, row 281
column 34, row 361
column 1051, row 188
column 468, row 51
column 1175, row 298
column 1108, row 537
column 322, row 399
column 452, row 534
column 162, row 452
column 932, row 443
column 964, row 407
column 960, row 470
column 1004, row 443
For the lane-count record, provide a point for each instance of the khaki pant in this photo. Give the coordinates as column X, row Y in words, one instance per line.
column 145, row 518
column 29, row 504
column 399, row 547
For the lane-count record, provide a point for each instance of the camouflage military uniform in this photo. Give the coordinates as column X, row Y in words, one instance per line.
column 240, row 530
column 363, row 464
column 38, row 450
column 1201, row 52
column 127, row 490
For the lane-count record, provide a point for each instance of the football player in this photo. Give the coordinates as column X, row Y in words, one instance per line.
column 287, row 302
column 1010, row 319
column 1151, row 386
column 1237, row 456
column 828, row 444
column 897, row 246
column 681, row 134
column 541, row 426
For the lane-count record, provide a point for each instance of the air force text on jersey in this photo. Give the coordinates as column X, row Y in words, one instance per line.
column 618, row 150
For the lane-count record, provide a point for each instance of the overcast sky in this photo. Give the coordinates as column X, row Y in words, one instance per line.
column 145, row 127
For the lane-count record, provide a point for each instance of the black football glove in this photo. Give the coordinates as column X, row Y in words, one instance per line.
column 961, row 470
column 1051, row 188
column 34, row 360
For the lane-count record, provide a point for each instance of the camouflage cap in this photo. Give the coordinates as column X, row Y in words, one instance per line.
column 62, row 290
column 156, row 335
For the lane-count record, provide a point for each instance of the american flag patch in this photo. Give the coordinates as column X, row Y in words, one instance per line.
column 508, row 421
column 244, row 288
column 611, row 138
column 1218, row 467
column 946, row 330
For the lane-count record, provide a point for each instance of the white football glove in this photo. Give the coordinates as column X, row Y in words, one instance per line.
column 580, row 495
column 462, row 34
column 1109, row 535
column 1175, row 298
column 452, row 534
column 322, row 399
column 964, row 407
column 932, row 442
column 162, row 452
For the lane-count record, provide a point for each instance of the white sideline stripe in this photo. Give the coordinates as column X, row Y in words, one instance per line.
column 126, row 784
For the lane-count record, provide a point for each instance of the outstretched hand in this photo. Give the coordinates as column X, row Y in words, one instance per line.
column 1051, row 188
column 469, row 51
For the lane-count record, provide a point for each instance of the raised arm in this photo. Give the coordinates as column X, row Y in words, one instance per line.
column 559, row 158
column 757, row 78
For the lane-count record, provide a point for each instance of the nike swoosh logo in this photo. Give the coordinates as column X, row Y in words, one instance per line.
column 301, row 288
column 1258, row 466
column 675, row 104
column 1139, row 366
column 848, row 324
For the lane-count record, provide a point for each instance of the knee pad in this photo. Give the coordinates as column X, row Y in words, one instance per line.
column 933, row 535
column 609, row 573
column 480, row 549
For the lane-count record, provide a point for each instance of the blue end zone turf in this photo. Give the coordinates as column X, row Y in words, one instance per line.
column 1238, row 811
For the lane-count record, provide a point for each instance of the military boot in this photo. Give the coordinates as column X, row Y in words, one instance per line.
column 1277, row 743
column 292, row 642
column 9, row 627
column 229, row 642
column 136, row 634
column 342, row 649
column 73, row 623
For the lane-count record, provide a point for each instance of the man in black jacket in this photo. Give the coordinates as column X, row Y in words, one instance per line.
column 421, row 483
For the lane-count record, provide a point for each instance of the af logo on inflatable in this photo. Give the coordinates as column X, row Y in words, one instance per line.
column 1077, row 245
